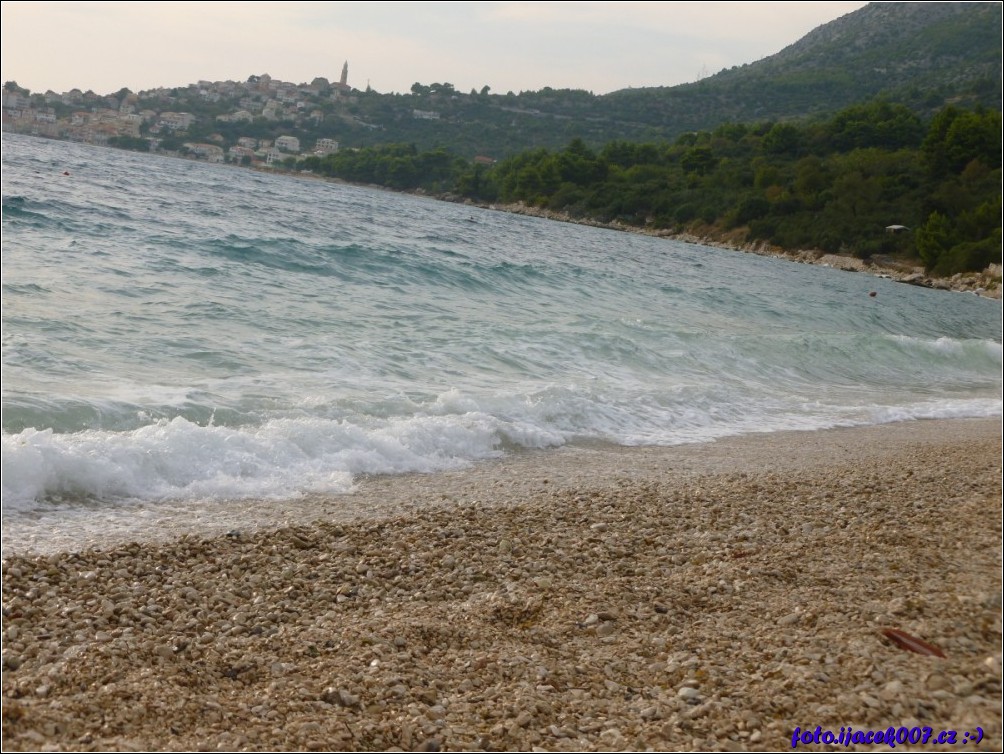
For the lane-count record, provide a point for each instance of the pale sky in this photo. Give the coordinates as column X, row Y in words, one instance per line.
column 597, row 46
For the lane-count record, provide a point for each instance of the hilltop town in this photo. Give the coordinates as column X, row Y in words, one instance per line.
column 260, row 121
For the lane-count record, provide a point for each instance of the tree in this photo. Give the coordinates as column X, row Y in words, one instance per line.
column 875, row 124
column 782, row 139
column 810, row 179
column 698, row 160
column 957, row 137
column 933, row 239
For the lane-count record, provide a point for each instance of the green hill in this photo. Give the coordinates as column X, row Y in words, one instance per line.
column 923, row 55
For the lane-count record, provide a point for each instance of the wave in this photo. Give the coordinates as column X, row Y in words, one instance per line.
column 951, row 347
column 179, row 459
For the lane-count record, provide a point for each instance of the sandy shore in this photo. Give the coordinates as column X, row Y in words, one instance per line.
column 699, row 597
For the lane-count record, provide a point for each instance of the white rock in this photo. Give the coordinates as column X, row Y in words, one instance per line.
column 688, row 693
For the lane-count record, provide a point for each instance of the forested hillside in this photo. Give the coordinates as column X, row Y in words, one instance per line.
column 834, row 184
column 922, row 55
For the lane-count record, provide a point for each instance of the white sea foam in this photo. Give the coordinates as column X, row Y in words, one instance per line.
column 949, row 409
column 952, row 346
column 281, row 458
column 180, row 460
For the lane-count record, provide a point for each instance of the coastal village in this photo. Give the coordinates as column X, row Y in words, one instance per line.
column 265, row 123
column 203, row 121
column 897, row 188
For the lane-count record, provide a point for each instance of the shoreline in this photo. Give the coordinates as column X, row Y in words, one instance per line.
column 521, row 474
column 986, row 284
column 708, row 596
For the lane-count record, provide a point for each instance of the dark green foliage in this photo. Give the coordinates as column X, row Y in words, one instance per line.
column 970, row 241
column 876, row 124
column 751, row 208
column 132, row 143
column 782, row 139
column 958, row 137
column 865, row 170
column 397, row 166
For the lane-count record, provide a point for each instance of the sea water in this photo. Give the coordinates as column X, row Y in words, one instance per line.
column 175, row 331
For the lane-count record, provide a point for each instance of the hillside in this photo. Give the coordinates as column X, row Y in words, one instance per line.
column 922, row 55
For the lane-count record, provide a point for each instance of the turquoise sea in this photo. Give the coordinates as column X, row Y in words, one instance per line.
column 177, row 331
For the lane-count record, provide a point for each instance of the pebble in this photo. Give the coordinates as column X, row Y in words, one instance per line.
column 870, row 701
column 606, row 628
column 894, row 687
column 937, row 682
column 425, row 632
column 688, row 693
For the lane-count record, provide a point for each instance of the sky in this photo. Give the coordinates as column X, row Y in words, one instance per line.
column 508, row 46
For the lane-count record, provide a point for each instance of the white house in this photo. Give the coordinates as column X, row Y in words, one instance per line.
column 288, row 144
column 325, row 146
column 177, row 121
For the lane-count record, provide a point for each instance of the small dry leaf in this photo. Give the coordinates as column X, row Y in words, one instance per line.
column 903, row 640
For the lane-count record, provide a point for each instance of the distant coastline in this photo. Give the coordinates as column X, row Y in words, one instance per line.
column 986, row 283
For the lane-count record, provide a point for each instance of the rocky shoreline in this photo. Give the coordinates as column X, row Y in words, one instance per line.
column 702, row 597
column 986, row 283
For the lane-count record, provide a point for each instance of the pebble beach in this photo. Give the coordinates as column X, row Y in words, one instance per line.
column 709, row 597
